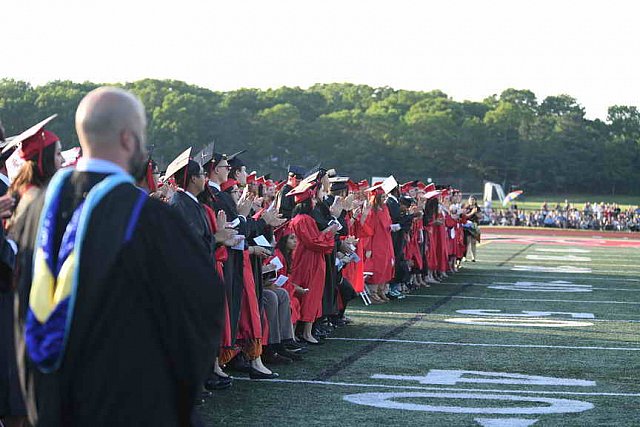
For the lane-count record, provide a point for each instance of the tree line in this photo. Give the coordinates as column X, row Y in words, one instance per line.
column 513, row 138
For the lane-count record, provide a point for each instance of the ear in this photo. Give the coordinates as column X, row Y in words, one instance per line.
column 127, row 141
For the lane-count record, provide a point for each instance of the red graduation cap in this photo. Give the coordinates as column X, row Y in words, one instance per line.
column 33, row 141
column 422, row 186
column 260, row 180
column 251, row 178
column 279, row 185
column 375, row 189
column 430, row 187
column 304, row 191
column 228, row 184
column 353, row 187
column 364, row 184
column 432, row 194
column 404, row 188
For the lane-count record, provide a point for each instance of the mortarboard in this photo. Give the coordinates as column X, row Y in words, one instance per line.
column 297, row 171
column 363, row 185
column 235, row 161
column 376, row 189
column 304, row 191
column 404, row 188
column 251, row 178
column 208, row 154
column 384, row 187
column 430, row 187
column 279, row 185
column 228, row 184
column 33, row 141
column 432, row 194
column 353, row 186
column 389, row 184
column 178, row 164
column 421, row 186
column 339, row 183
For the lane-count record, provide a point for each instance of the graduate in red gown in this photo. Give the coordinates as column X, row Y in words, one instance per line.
column 430, row 224
column 285, row 249
column 379, row 256
column 308, row 269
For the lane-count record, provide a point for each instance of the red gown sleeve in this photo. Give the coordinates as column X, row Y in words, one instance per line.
column 311, row 238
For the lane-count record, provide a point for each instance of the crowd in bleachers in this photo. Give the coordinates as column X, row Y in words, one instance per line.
column 590, row 216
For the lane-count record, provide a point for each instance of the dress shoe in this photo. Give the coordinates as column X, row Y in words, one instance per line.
column 254, row 374
column 276, row 359
column 239, row 364
column 216, row 382
column 313, row 343
column 282, row 351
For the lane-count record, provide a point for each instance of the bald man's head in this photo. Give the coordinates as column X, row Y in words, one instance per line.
column 111, row 124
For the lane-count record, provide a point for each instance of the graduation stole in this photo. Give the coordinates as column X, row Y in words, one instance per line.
column 54, row 284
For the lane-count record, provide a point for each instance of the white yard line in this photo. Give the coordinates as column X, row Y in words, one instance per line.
column 528, row 299
column 465, row 344
column 476, row 390
column 502, row 283
column 510, row 273
column 406, row 314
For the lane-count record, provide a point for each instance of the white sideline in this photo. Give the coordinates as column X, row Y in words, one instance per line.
column 465, row 344
column 480, row 390
column 493, row 284
column 409, row 314
column 528, row 299
column 510, row 274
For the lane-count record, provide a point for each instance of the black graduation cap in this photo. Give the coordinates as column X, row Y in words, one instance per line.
column 297, row 171
column 208, row 154
column 339, row 183
column 235, row 161
column 317, row 169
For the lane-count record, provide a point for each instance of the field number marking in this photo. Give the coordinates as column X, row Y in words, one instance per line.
column 552, row 405
column 526, row 313
column 559, row 258
column 558, row 269
column 528, row 322
column 458, row 376
column 554, row 286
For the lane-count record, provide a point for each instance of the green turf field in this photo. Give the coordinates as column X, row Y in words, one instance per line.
column 541, row 331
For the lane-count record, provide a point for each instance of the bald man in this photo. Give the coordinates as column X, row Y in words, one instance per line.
column 131, row 330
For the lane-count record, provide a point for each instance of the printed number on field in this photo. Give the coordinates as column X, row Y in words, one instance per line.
column 554, row 286
column 525, row 313
column 426, row 401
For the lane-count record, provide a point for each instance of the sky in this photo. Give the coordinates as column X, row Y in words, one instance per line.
column 468, row 49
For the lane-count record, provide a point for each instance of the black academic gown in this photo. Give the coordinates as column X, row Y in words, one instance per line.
column 322, row 215
column 195, row 216
column 11, row 403
column 146, row 323
column 398, row 238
